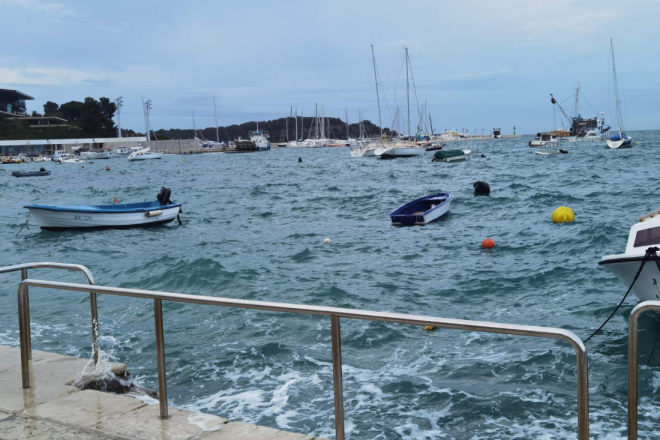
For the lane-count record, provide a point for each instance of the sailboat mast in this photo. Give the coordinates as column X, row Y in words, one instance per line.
column 194, row 126
column 431, row 122
column 380, row 122
column 215, row 111
column 296, row 123
column 616, row 90
column 408, row 90
column 348, row 135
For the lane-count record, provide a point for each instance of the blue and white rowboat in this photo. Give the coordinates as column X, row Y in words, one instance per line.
column 422, row 211
column 117, row 216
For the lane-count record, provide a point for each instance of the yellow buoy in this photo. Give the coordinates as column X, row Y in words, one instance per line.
column 563, row 214
column 429, row 328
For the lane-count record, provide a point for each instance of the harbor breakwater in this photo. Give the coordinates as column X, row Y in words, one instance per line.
column 253, row 228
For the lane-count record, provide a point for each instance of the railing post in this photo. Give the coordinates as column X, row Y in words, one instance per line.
column 23, row 325
column 632, row 376
column 336, row 377
column 95, row 326
column 26, row 310
column 582, row 393
column 160, row 355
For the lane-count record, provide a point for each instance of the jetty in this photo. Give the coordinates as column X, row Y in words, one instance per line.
column 54, row 408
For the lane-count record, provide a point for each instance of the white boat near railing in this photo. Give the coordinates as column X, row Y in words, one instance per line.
column 145, row 154
column 116, row 216
column 643, row 236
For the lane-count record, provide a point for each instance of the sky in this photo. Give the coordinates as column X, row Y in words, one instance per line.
column 476, row 64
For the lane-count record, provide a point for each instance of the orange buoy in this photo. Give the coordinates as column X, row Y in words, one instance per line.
column 107, row 168
column 488, row 243
column 115, row 200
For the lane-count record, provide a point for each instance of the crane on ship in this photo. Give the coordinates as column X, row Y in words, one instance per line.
column 554, row 101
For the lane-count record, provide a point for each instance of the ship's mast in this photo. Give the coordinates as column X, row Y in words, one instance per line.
column 215, row 111
column 577, row 101
column 408, row 90
column 380, row 122
column 296, row 124
column 616, row 90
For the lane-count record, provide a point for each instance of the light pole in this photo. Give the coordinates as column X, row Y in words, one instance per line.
column 120, row 104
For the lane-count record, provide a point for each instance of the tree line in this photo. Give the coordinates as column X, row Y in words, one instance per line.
column 94, row 118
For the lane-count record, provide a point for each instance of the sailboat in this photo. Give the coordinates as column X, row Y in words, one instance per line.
column 401, row 148
column 368, row 149
column 619, row 138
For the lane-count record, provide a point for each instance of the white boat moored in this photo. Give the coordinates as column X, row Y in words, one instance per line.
column 643, row 235
column 116, row 216
column 145, row 154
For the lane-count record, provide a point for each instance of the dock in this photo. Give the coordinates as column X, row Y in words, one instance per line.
column 54, row 408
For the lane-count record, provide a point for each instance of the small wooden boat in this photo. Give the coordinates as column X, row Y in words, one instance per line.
column 145, row 154
column 451, row 155
column 551, row 152
column 422, row 211
column 116, row 216
column 41, row 172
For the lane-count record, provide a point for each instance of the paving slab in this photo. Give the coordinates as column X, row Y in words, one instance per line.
column 145, row 423
column 245, row 431
column 88, row 409
column 15, row 427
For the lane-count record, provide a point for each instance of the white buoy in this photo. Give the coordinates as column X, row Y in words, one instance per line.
column 327, row 241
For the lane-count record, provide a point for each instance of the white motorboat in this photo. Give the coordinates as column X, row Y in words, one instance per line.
column 103, row 154
column 116, row 216
column 619, row 139
column 261, row 139
column 119, row 152
column 643, row 235
column 392, row 149
column 544, row 140
column 71, row 160
column 145, row 154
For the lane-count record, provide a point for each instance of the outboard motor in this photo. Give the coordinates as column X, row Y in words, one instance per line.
column 164, row 196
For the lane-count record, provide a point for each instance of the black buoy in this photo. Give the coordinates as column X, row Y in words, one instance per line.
column 483, row 155
column 299, row 159
column 563, row 151
column 42, row 169
column 481, row 188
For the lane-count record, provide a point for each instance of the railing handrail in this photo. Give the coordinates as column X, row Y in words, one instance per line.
column 335, row 313
column 23, row 268
column 48, row 265
column 632, row 363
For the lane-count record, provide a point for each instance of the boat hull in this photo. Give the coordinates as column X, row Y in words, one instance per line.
column 621, row 143
column 403, row 216
column 647, row 286
column 387, row 153
column 56, row 220
column 147, row 156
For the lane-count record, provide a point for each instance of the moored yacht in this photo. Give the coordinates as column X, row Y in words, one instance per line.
column 544, row 140
column 643, row 235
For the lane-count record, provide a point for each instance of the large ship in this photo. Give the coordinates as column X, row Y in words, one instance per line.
column 581, row 129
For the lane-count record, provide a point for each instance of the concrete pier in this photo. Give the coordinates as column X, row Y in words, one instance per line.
column 54, row 408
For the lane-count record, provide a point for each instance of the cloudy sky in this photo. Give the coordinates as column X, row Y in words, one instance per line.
column 478, row 64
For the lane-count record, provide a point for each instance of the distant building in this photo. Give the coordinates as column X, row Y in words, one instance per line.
column 12, row 102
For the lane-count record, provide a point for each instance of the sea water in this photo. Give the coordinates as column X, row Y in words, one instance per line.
column 253, row 228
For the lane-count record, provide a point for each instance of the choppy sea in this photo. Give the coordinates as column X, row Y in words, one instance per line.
column 253, row 228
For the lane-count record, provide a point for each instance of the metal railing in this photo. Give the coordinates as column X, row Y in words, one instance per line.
column 632, row 363
column 334, row 313
column 23, row 268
